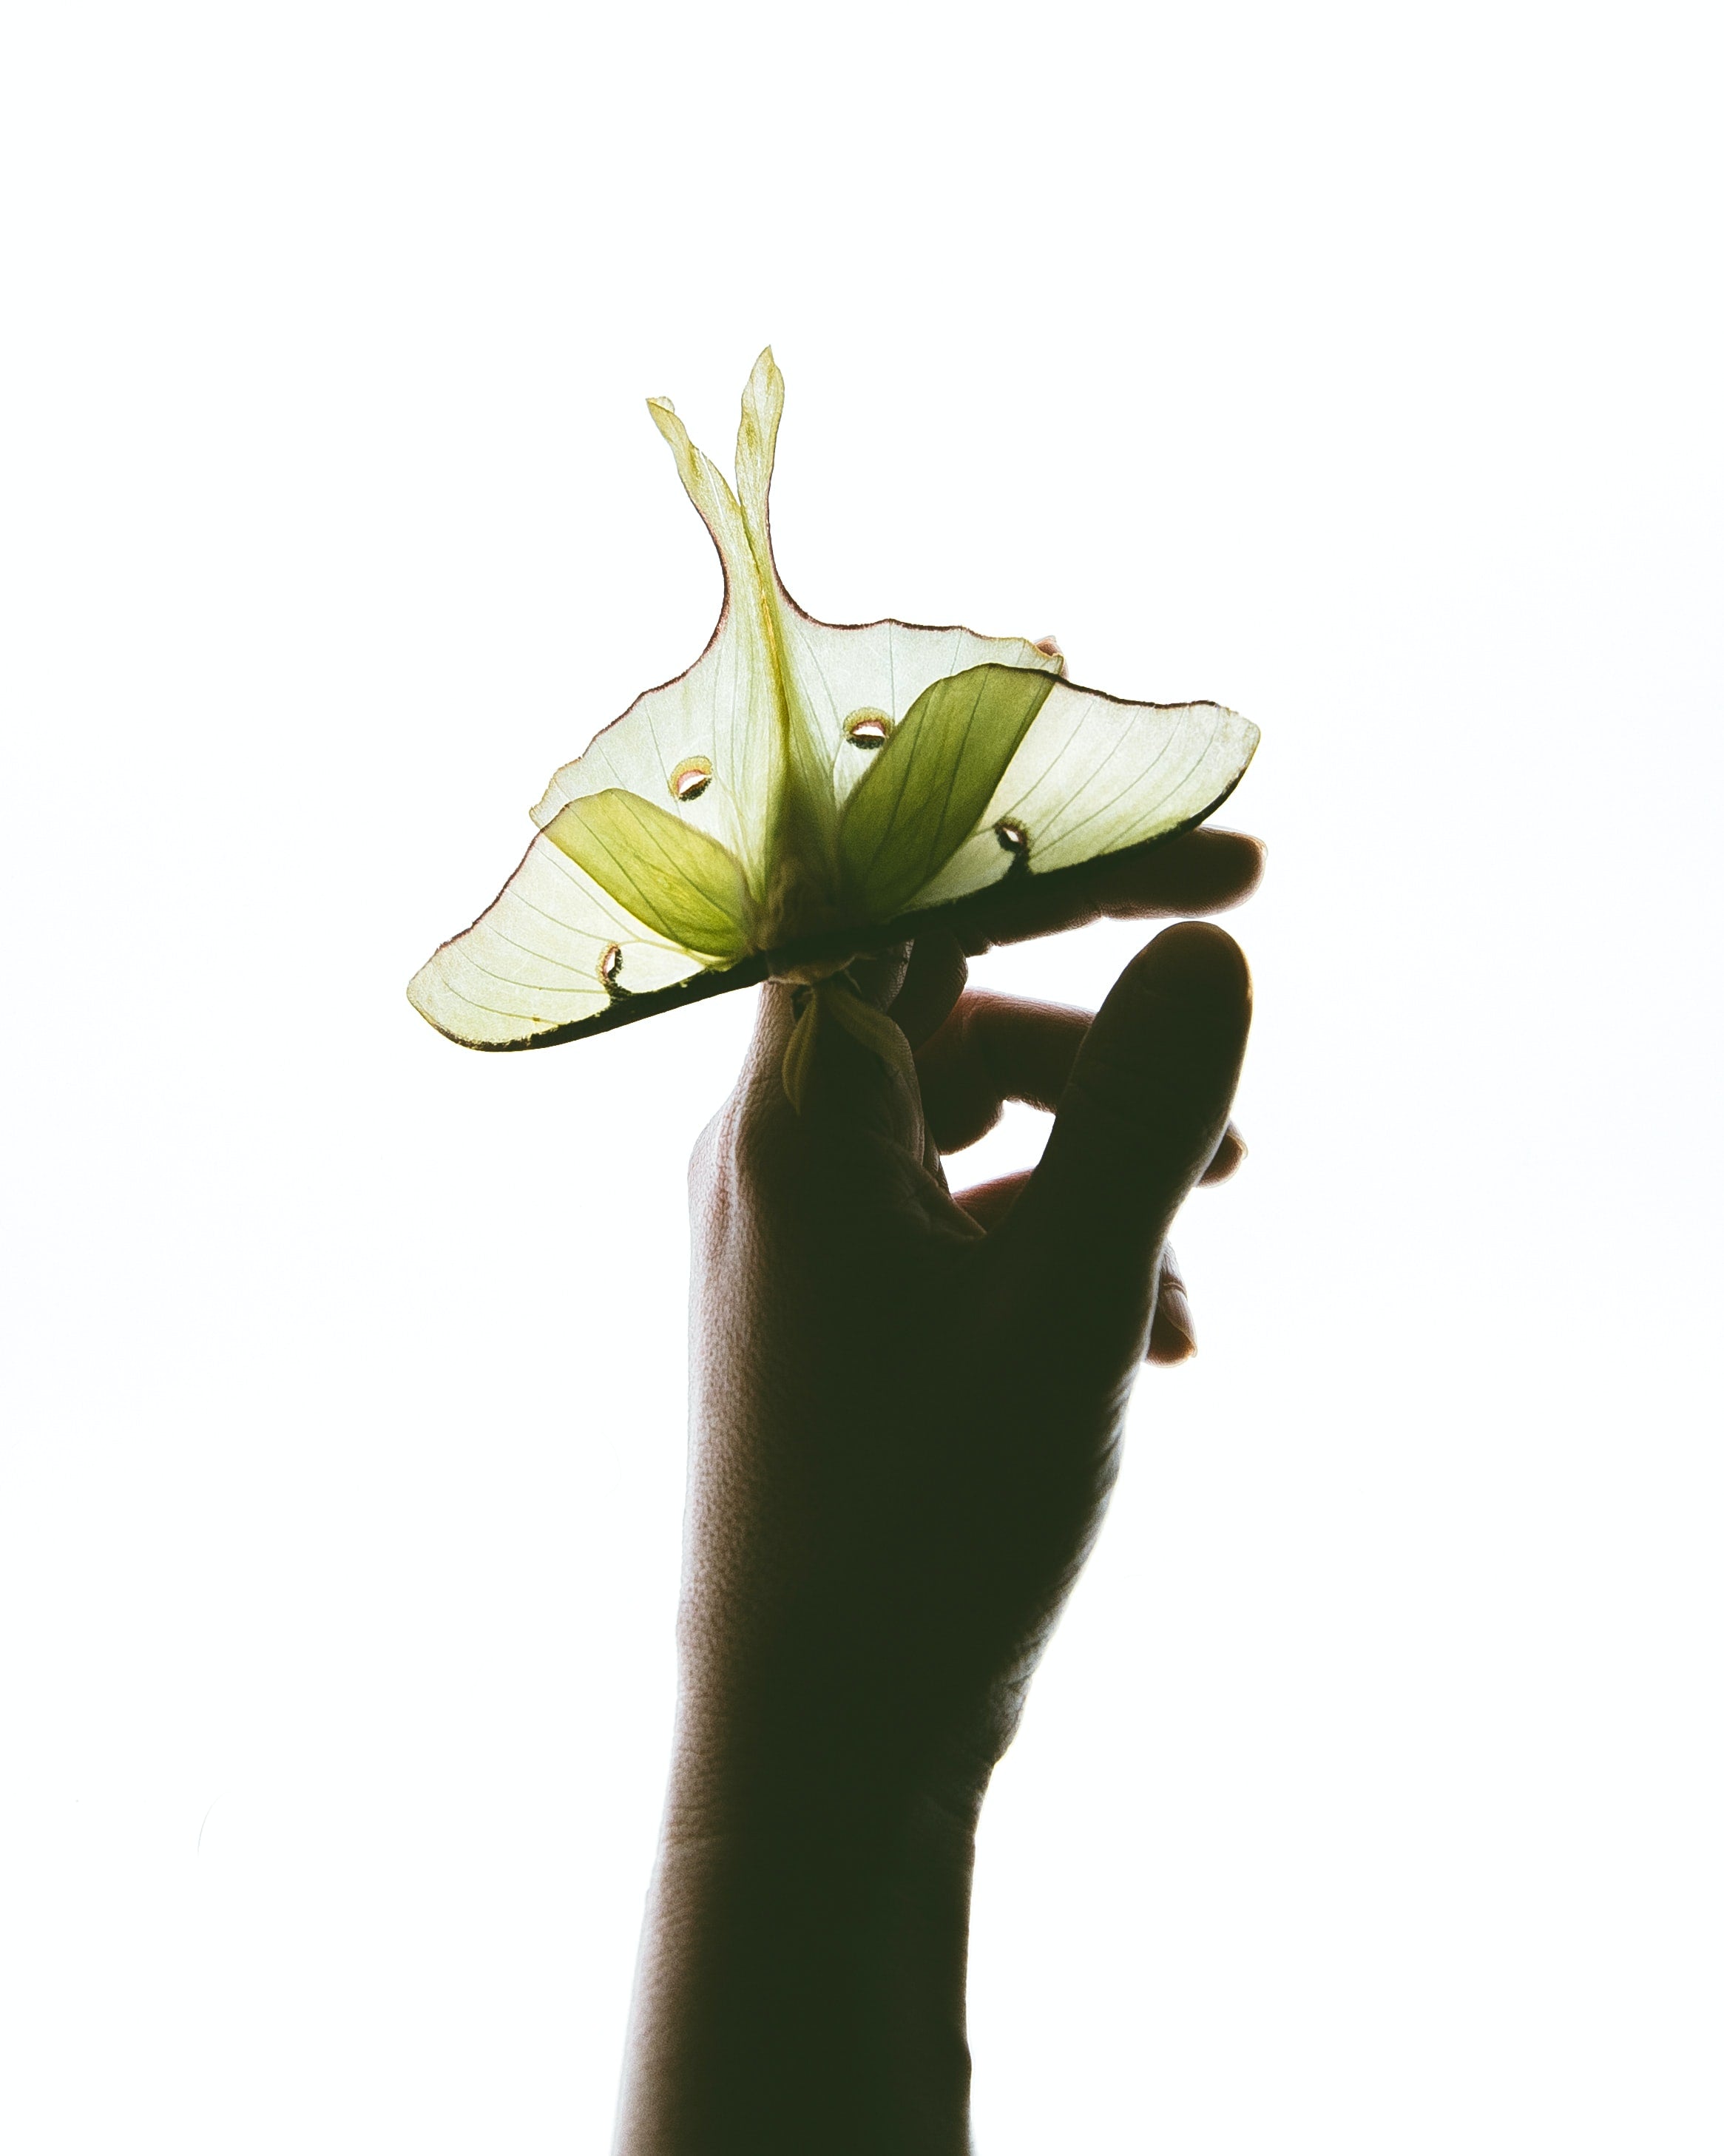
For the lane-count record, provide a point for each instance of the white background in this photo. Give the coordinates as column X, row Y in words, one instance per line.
column 1357, row 366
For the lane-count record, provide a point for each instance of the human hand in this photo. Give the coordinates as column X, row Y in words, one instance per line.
column 906, row 1415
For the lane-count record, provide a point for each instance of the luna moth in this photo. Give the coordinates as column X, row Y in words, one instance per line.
column 806, row 791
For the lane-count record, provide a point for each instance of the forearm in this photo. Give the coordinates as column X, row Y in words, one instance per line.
column 801, row 1985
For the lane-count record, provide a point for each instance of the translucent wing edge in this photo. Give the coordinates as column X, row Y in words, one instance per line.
column 565, row 994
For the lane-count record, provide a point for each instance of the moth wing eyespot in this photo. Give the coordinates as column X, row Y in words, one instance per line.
column 868, row 728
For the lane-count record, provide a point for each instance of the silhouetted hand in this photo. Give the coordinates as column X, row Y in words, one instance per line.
column 905, row 1420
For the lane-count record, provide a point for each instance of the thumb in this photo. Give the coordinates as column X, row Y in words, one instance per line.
column 1139, row 1122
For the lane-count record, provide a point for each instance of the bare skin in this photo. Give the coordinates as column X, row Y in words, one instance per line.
column 906, row 1416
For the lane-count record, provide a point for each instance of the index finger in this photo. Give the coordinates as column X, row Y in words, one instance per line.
column 1201, row 871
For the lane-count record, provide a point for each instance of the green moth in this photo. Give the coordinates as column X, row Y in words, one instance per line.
column 804, row 793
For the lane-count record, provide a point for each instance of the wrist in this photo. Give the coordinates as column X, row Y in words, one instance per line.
column 802, row 1977
column 866, row 1834
column 801, row 1735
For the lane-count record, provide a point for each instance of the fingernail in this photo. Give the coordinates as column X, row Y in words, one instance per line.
column 1173, row 1335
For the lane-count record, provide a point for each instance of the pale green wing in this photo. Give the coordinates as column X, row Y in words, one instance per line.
column 709, row 745
column 553, row 950
column 757, row 446
column 809, row 828
column 1094, row 775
